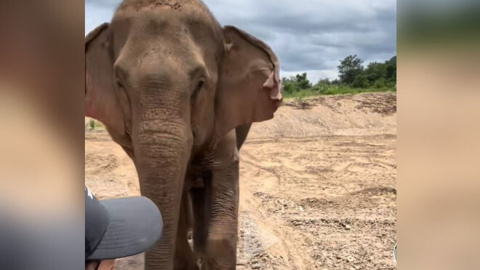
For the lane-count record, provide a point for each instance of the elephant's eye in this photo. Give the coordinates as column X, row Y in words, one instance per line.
column 120, row 85
column 201, row 83
column 199, row 87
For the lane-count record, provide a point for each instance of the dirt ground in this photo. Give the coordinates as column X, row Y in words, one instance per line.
column 317, row 185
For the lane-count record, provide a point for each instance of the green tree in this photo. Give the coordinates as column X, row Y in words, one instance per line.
column 349, row 69
column 361, row 81
column 302, row 81
column 391, row 69
column 375, row 71
column 289, row 85
column 380, row 83
column 296, row 83
column 324, row 82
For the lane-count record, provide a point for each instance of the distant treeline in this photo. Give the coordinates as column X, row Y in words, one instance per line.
column 353, row 78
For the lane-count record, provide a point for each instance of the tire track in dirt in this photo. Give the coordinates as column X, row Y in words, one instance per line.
column 264, row 140
column 298, row 223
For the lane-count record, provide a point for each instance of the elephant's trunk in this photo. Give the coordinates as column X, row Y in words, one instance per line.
column 161, row 154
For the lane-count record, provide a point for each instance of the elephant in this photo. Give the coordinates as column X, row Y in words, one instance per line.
column 179, row 93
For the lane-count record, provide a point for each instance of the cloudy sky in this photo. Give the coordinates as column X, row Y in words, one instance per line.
column 308, row 35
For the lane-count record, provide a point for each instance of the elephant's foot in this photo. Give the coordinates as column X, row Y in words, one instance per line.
column 221, row 254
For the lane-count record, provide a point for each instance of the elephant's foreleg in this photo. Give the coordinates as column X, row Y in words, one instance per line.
column 222, row 239
column 221, row 245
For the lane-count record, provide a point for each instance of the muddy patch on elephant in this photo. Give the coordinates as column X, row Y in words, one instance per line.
column 317, row 187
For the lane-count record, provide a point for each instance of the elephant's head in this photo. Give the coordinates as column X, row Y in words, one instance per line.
column 166, row 80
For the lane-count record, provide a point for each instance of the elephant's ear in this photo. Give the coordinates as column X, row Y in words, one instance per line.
column 249, row 86
column 101, row 100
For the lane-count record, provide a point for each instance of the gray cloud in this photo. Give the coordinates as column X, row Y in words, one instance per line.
column 307, row 35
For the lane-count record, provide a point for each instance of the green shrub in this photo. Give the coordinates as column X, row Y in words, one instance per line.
column 381, row 83
column 92, row 124
column 361, row 81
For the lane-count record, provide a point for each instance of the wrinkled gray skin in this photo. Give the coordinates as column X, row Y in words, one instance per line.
column 179, row 92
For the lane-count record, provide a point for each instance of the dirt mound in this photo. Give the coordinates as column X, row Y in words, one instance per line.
column 361, row 114
column 317, row 185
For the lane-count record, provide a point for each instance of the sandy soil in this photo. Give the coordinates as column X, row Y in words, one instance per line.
column 317, row 185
